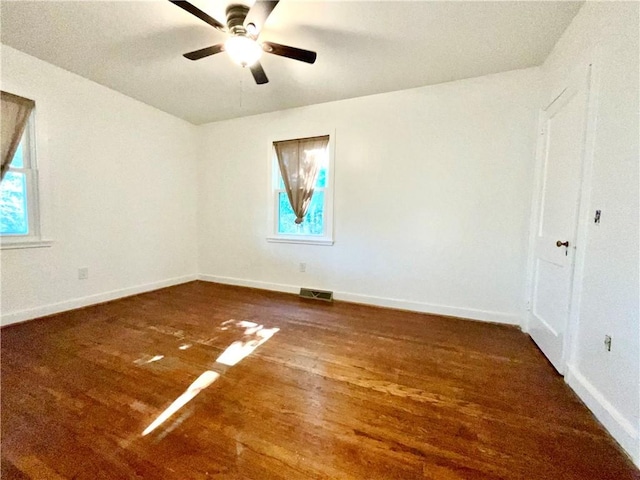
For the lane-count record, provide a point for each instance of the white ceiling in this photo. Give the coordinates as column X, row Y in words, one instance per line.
column 364, row 47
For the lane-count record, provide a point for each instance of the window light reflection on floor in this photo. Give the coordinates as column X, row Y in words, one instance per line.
column 146, row 359
column 233, row 354
column 240, row 350
column 202, row 382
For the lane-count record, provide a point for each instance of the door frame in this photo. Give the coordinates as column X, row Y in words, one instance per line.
column 588, row 74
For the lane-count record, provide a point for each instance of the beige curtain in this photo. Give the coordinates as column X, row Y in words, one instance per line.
column 15, row 113
column 299, row 162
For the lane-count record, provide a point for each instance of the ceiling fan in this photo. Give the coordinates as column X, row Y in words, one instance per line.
column 244, row 25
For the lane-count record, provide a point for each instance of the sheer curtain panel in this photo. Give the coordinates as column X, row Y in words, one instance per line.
column 15, row 113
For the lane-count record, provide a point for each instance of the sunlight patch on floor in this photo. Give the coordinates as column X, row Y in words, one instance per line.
column 254, row 336
column 242, row 349
column 202, row 382
column 148, row 359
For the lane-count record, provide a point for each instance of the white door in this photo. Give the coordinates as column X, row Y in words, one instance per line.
column 561, row 155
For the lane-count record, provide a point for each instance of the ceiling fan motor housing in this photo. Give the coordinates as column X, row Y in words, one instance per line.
column 235, row 19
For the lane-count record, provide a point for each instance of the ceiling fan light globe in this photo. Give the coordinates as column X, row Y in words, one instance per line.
column 243, row 50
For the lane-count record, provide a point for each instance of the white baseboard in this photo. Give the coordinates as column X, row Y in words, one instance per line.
column 473, row 314
column 623, row 431
column 275, row 287
column 30, row 314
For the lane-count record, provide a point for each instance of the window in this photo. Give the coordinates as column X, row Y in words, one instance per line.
column 19, row 216
column 316, row 226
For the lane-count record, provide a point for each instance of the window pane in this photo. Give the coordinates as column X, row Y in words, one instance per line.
column 18, row 161
column 313, row 221
column 322, row 178
column 13, row 204
column 321, row 181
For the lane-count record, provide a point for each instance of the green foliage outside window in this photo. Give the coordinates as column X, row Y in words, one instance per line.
column 314, row 219
column 14, row 218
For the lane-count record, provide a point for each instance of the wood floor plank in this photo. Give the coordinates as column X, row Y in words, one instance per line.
column 340, row 391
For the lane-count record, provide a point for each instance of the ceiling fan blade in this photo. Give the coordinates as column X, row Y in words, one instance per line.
column 289, row 52
column 258, row 74
column 193, row 10
column 205, row 52
column 259, row 13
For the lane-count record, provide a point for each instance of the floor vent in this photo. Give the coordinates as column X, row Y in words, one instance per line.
column 316, row 294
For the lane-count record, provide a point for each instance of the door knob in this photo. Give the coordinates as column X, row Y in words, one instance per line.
column 562, row 244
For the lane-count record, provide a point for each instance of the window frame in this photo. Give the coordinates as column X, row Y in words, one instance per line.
column 275, row 190
column 33, row 195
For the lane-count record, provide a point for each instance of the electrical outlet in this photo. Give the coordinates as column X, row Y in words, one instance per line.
column 303, row 267
column 607, row 342
column 83, row 273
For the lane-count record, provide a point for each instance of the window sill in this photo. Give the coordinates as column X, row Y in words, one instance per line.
column 14, row 245
column 301, row 240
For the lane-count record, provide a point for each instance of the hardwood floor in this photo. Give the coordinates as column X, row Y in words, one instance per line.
column 340, row 391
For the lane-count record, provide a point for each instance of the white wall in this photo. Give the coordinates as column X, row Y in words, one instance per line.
column 606, row 33
column 432, row 198
column 118, row 181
